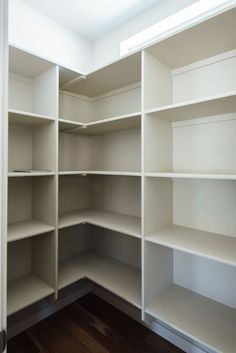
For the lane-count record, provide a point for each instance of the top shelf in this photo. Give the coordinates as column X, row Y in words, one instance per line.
column 26, row 64
column 120, row 73
column 120, row 123
column 198, row 108
column 198, row 42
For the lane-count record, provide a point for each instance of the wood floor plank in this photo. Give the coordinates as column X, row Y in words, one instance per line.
column 89, row 325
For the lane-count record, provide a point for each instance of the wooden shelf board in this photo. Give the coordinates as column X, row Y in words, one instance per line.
column 206, row 244
column 204, row 320
column 30, row 174
column 25, row 291
column 99, row 172
column 209, row 106
column 176, row 175
column 115, row 276
column 118, row 222
column 27, row 118
column 26, row 229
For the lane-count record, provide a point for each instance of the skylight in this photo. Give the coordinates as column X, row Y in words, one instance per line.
column 181, row 19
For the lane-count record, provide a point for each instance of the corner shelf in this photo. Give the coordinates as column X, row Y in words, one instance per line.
column 176, row 175
column 115, row 276
column 197, row 108
column 213, row 246
column 115, row 124
column 118, row 222
column 27, row 118
column 25, row 291
column 201, row 319
column 99, row 172
column 26, row 229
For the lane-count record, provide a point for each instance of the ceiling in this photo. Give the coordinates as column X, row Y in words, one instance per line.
column 91, row 19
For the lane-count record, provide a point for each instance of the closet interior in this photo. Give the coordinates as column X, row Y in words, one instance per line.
column 126, row 176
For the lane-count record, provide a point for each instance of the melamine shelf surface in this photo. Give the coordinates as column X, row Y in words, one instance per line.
column 99, row 172
column 110, row 220
column 202, row 319
column 179, row 175
column 209, row 106
column 115, row 124
column 210, row 245
column 26, row 229
column 25, row 291
column 27, row 118
column 29, row 174
column 115, row 276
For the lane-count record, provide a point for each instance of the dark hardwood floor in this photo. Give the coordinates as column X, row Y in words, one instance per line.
column 89, row 325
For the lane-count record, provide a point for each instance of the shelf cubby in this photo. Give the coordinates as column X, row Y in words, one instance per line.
column 194, row 306
column 31, row 206
column 31, row 271
column 91, row 199
column 32, row 145
column 33, row 84
column 112, row 152
column 83, row 253
column 177, row 218
column 190, row 149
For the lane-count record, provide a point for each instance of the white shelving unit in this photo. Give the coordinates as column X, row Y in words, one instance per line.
column 128, row 178
column 189, row 124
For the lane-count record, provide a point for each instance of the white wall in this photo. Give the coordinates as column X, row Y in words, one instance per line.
column 37, row 33
column 107, row 48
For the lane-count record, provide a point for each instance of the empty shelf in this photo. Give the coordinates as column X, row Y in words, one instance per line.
column 202, row 319
column 27, row 118
column 176, row 175
column 110, row 220
column 115, row 276
column 119, row 123
column 25, row 291
column 210, row 245
column 215, row 105
column 25, row 229
column 99, row 172
column 30, row 174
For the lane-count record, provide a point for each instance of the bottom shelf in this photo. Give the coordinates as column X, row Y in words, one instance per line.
column 202, row 319
column 119, row 278
column 25, row 291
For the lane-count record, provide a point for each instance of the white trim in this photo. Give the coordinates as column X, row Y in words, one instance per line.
column 3, row 156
